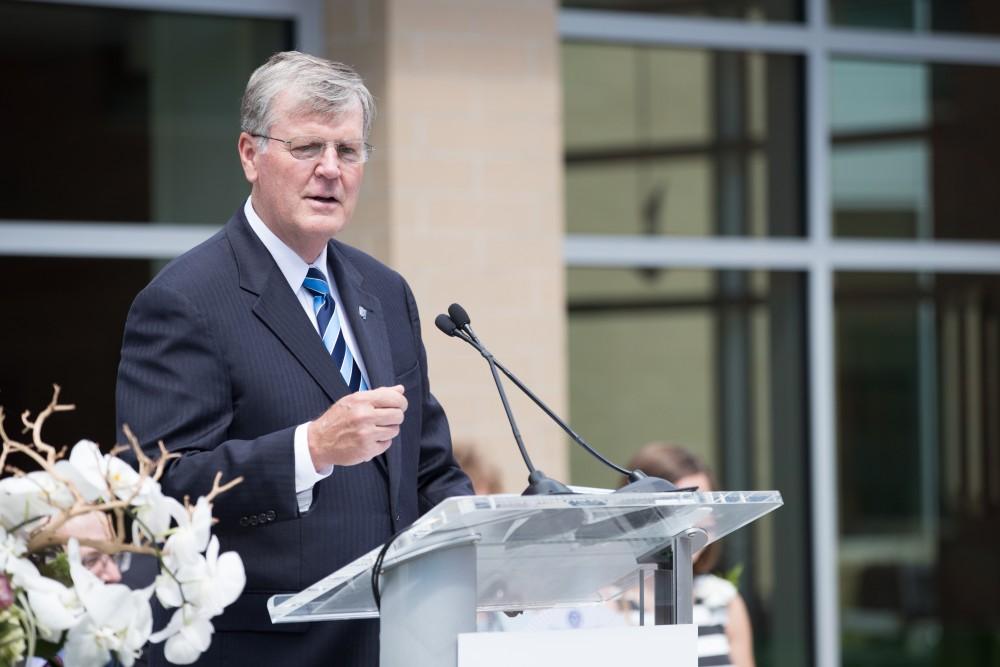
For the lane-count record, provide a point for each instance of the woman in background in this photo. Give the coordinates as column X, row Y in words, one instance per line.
column 724, row 633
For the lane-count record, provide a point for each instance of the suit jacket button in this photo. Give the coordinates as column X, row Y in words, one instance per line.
column 262, row 518
column 253, row 519
column 271, row 516
column 244, row 522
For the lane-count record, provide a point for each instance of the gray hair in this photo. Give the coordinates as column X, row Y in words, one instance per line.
column 315, row 85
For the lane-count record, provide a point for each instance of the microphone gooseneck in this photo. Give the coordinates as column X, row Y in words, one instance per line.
column 538, row 482
column 459, row 319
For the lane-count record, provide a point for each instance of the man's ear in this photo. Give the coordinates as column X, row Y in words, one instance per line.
column 247, row 147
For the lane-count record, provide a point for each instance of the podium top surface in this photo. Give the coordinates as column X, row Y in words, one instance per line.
column 537, row 551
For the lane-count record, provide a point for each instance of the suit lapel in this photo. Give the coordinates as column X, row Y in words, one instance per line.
column 279, row 309
column 364, row 312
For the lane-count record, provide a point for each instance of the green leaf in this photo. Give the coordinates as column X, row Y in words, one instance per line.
column 57, row 568
column 733, row 574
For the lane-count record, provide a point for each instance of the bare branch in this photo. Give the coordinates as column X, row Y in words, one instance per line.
column 52, row 539
column 161, row 463
column 133, row 442
column 221, row 488
column 36, row 426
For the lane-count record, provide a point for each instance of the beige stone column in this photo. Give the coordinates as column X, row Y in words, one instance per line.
column 464, row 197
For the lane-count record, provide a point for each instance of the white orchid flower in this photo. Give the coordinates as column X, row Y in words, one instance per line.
column 152, row 513
column 33, row 496
column 107, row 476
column 13, row 561
column 188, row 635
column 56, row 607
column 12, row 547
column 224, row 578
column 116, row 620
column 210, row 582
column 86, row 468
column 190, row 538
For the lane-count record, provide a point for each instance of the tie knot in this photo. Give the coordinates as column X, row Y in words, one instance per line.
column 316, row 283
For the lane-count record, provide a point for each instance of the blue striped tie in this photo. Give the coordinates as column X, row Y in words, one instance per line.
column 329, row 328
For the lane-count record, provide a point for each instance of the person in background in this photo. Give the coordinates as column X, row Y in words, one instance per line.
column 485, row 476
column 725, row 637
column 96, row 526
column 107, row 568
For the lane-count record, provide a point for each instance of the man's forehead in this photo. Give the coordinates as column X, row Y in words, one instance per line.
column 302, row 112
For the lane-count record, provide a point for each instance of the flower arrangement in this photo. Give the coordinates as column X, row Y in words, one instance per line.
column 51, row 604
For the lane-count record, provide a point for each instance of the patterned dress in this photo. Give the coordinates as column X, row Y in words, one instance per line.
column 712, row 596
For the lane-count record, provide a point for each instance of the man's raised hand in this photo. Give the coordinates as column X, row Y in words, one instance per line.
column 357, row 428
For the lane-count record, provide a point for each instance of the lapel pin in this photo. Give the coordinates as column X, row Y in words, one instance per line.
column 362, row 312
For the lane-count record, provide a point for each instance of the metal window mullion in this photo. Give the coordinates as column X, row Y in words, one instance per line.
column 618, row 27
column 260, row 8
column 781, row 254
column 727, row 34
column 72, row 239
column 821, row 371
column 307, row 14
column 896, row 46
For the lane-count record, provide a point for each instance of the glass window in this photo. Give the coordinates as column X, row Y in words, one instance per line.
column 918, row 382
column 75, row 343
column 681, row 142
column 124, row 115
column 757, row 10
column 971, row 16
column 915, row 150
column 712, row 360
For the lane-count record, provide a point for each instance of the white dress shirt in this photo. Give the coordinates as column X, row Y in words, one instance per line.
column 294, row 268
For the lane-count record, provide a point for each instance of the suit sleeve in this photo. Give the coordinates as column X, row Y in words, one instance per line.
column 173, row 387
column 438, row 475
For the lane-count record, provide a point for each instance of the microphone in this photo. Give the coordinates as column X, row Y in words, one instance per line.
column 457, row 324
column 538, row 482
column 460, row 317
column 445, row 324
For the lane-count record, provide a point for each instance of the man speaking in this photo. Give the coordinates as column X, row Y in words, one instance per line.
column 274, row 352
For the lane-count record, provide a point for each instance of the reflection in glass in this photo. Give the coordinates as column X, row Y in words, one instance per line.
column 915, row 150
column 125, row 115
column 970, row 16
column 918, row 376
column 755, row 10
column 688, row 142
column 713, row 360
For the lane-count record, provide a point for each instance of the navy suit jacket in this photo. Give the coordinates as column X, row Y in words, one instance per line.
column 221, row 363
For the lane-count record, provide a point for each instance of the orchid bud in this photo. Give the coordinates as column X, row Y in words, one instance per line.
column 6, row 592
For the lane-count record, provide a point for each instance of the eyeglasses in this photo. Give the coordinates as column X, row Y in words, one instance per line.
column 96, row 560
column 310, row 148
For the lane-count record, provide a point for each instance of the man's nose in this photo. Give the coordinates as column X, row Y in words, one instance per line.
column 110, row 574
column 328, row 165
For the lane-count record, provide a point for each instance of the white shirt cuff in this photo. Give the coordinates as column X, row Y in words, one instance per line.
column 306, row 474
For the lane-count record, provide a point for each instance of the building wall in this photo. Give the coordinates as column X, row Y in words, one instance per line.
column 464, row 198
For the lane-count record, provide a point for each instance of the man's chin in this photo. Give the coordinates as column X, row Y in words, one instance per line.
column 324, row 225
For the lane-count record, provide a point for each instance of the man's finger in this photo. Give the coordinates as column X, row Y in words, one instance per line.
column 388, row 416
column 385, row 397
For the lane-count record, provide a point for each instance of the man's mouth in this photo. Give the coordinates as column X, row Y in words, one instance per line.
column 324, row 200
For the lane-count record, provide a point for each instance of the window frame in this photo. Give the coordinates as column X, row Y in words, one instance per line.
column 819, row 254
column 62, row 238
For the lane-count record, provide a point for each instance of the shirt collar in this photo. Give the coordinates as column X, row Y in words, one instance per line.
column 291, row 265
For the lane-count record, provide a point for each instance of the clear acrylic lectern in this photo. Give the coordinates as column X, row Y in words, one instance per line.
column 509, row 552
